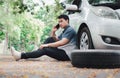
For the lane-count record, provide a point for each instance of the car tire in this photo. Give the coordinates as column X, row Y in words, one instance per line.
column 84, row 32
column 96, row 58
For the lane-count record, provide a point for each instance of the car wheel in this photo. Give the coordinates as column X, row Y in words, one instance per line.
column 96, row 58
column 85, row 40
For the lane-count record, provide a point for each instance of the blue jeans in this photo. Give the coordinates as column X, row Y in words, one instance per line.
column 55, row 53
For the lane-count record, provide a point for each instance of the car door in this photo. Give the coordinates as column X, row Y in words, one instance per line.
column 75, row 17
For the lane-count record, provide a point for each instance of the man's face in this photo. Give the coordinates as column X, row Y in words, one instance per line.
column 62, row 22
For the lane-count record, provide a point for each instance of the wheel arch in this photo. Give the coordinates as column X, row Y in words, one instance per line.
column 80, row 28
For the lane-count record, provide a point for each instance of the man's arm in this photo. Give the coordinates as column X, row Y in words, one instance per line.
column 53, row 33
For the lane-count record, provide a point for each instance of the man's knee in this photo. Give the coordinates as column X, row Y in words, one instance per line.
column 49, row 40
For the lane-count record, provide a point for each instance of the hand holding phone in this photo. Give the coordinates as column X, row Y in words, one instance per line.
column 57, row 26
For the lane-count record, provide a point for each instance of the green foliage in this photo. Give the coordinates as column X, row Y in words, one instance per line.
column 24, row 35
column 18, row 6
column 49, row 16
column 2, row 34
column 22, row 31
column 46, row 33
column 1, row 2
column 1, row 27
column 19, row 30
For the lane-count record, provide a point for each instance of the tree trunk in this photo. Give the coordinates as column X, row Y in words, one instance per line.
column 5, row 48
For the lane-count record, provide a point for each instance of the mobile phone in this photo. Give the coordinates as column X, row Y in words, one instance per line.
column 57, row 26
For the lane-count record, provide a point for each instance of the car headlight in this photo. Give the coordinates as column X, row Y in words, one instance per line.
column 105, row 12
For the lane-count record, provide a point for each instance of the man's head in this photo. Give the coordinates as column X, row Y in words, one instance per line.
column 63, row 20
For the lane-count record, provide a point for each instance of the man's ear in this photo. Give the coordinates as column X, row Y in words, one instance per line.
column 67, row 21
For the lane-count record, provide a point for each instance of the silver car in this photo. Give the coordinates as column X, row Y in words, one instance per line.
column 97, row 23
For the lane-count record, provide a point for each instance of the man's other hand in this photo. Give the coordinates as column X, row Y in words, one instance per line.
column 43, row 46
column 54, row 29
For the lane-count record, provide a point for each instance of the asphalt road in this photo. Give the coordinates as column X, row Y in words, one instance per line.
column 46, row 67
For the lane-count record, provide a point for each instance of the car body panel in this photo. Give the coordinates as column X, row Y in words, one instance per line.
column 98, row 26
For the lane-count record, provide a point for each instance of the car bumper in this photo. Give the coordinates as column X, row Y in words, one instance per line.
column 106, row 27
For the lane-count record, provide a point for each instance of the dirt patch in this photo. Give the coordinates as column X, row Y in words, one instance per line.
column 46, row 67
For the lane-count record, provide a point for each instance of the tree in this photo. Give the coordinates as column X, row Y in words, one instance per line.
column 21, row 29
column 17, row 29
column 49, row 16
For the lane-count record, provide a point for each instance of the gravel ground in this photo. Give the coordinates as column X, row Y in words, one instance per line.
column 46, row 67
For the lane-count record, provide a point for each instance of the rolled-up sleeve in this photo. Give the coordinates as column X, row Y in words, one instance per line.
column 68, row 34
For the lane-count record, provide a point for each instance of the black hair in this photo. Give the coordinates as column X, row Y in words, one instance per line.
column 64, row 17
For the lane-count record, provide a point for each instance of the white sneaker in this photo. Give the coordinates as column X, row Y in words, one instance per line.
column 15, row 54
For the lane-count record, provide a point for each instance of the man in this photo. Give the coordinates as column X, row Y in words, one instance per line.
column 56, row 47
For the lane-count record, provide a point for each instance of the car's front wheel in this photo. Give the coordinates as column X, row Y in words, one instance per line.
column 84, row 39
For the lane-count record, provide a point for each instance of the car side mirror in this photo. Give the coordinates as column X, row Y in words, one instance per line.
column 70, row 7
